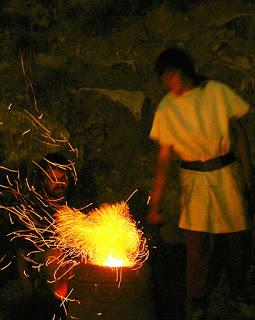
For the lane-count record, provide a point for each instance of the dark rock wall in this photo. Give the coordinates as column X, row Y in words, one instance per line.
column 82, row 72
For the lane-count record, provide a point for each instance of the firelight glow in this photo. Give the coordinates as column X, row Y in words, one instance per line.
column 107, row 236
column 113, row 262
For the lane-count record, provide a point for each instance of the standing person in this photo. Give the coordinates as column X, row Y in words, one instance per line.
column 193, row 120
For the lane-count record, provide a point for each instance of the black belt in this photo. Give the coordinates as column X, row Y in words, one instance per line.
column 209, row 165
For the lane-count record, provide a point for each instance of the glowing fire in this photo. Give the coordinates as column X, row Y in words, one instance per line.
column 107, row 236
column 113, row 262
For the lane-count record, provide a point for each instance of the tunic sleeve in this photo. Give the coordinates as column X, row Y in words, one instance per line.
column 160, row 131
column 237, row 107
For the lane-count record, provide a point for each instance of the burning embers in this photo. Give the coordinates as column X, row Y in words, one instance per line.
column 107, row 236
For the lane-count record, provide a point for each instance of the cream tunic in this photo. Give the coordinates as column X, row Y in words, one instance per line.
column 196, row 125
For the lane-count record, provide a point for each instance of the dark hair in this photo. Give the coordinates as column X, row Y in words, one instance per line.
column 54, row 160
column 174, row 58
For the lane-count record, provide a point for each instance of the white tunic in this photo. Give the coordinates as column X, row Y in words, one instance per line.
column 196, row 124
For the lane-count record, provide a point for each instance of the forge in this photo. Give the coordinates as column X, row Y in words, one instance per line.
column 101, row 292
column 112, row 279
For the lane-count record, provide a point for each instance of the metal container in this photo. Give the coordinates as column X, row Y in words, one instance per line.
column 111, row 293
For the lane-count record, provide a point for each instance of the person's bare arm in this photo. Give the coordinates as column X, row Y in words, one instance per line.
column 163, row 163
column 55, row 273
column 243, row 150
column 23, row 269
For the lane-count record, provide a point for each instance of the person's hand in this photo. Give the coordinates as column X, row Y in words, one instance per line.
column 155, row 215
column 61, row 290
column 154, row 218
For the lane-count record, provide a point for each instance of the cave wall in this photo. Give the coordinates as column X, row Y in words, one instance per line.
column 78, row 78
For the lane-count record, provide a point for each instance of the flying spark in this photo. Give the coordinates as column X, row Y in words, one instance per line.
column 107, row 236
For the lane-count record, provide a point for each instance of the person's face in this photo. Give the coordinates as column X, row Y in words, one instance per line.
column 172, row 81
column 56, row 183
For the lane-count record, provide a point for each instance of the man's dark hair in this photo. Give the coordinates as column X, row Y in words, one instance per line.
column 54, row 157
column 177, row 59
column 54, row 160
